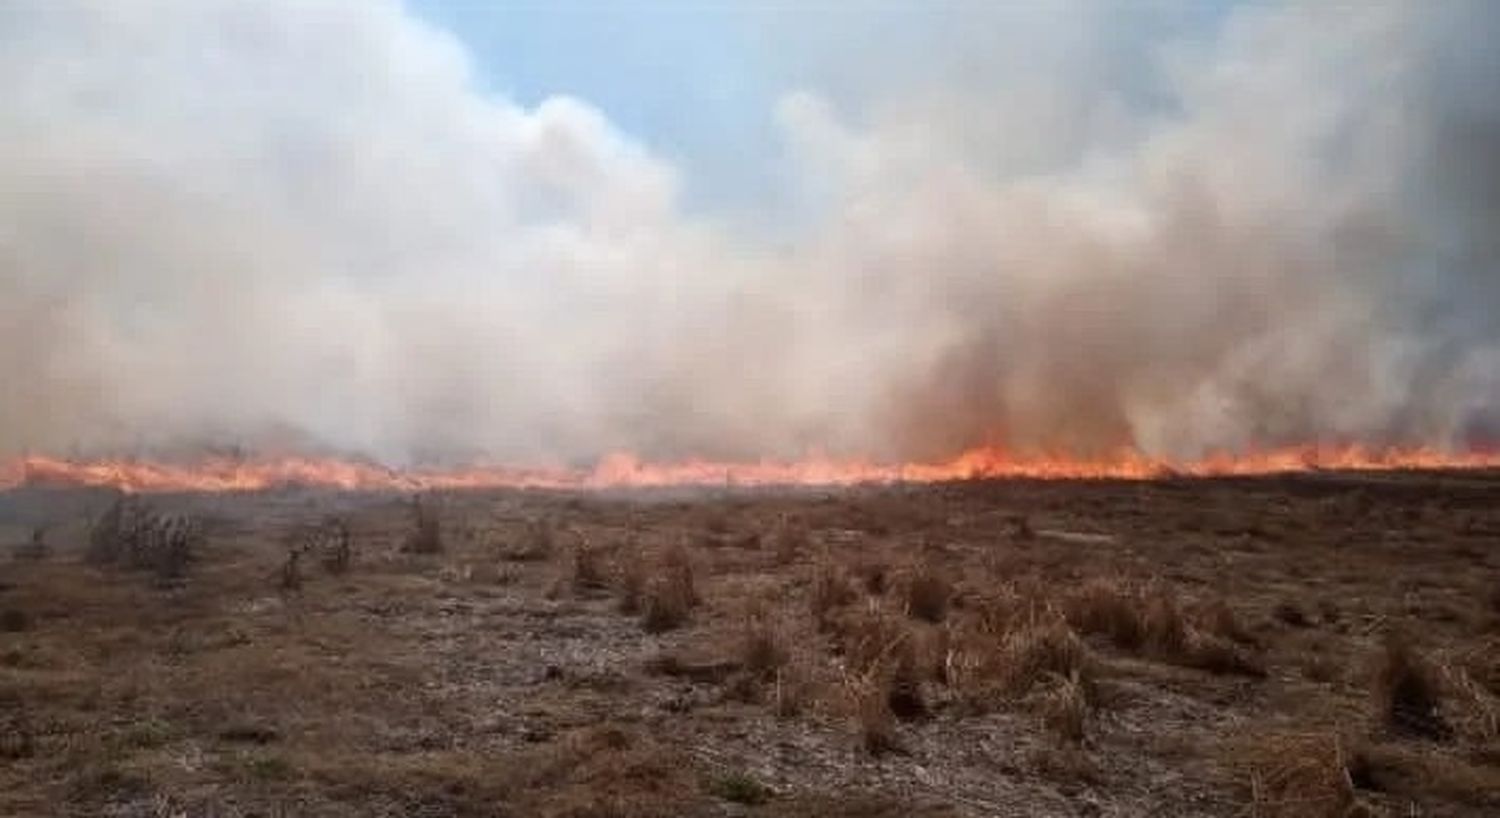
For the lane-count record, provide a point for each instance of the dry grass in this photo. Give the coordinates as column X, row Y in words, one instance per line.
column 1414, row 772
column 928, row 593
column 331, row 541
column 830, row 590
column 868, row 636
column 739, row 787
column 990, row 670
column 1013, row 604
column 1290, row 613
column 336, row 550
column 1215, row 654
column 426, row 535
column 133, row 534
column 1406, row 691
column 13, row 620
column 1150, row 618
column 1470, row 702
column 110, row 532
column 762, row 650
column 1021, row 528
column 1218, row 618
column 1066, row 763
column 904, row 687
column 672, row 594
column 882, row 650
column 18, row 738
column 1032, row 654
column 869, row 700
column 790, row 541
column 1110, row 608
column 873, row 573
column 598, row 772
column 289, row 577
column 535, row 544
column 1066, row 706
column 792, row 689
column 1296, row 774
column 1165, row 627
column 1321, row 668
column 1481, row 662
column 587, row 570
column 666, row 606
column 35, row 548
column 1050, row 669
column 630, row 580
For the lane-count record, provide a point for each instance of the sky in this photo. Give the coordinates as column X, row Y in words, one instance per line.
column 699, row 80
column 689, row 79
column 429, row 230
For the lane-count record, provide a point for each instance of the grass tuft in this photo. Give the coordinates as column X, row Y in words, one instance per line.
column 14, row 620
column 426, row 535
column 928, row 594
column 1296, row 775
column 587, row 569
column 831, row 590
column 763, row 651
column 1066, row 707
column 670, row 596
column 790, row 540
column 1109, row 608
column 1031, row 654
column 1407, row 692
column 740, row 788
column 874, row 721
column 630, row 582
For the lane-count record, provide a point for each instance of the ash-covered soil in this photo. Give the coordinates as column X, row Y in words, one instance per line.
column 1317, row 644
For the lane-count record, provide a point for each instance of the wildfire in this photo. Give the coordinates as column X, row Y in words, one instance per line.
column 220, row 474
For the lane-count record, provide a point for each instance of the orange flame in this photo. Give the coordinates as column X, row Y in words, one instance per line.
column 219, row 474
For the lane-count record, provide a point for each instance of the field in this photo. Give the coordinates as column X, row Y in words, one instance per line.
column 1307, row 645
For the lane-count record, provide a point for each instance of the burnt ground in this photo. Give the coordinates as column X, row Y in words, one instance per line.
column 1317, row 644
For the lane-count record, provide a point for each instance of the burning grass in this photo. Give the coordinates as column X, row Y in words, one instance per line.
column 239, row 474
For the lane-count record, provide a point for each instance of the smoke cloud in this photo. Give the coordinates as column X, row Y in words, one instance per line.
column 276, row 222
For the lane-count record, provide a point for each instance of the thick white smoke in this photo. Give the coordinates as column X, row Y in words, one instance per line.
column 276, row 221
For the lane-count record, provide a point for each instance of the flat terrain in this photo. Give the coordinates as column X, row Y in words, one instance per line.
column 1317, row 644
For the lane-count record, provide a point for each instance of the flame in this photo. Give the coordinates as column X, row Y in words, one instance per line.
column 226, row 474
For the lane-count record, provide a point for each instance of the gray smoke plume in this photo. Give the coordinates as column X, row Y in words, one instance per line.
column 1071, row 227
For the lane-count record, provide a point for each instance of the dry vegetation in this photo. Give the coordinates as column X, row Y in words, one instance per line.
column 1321, row 645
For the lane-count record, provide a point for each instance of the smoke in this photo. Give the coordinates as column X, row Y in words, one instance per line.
column 1075, row 227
